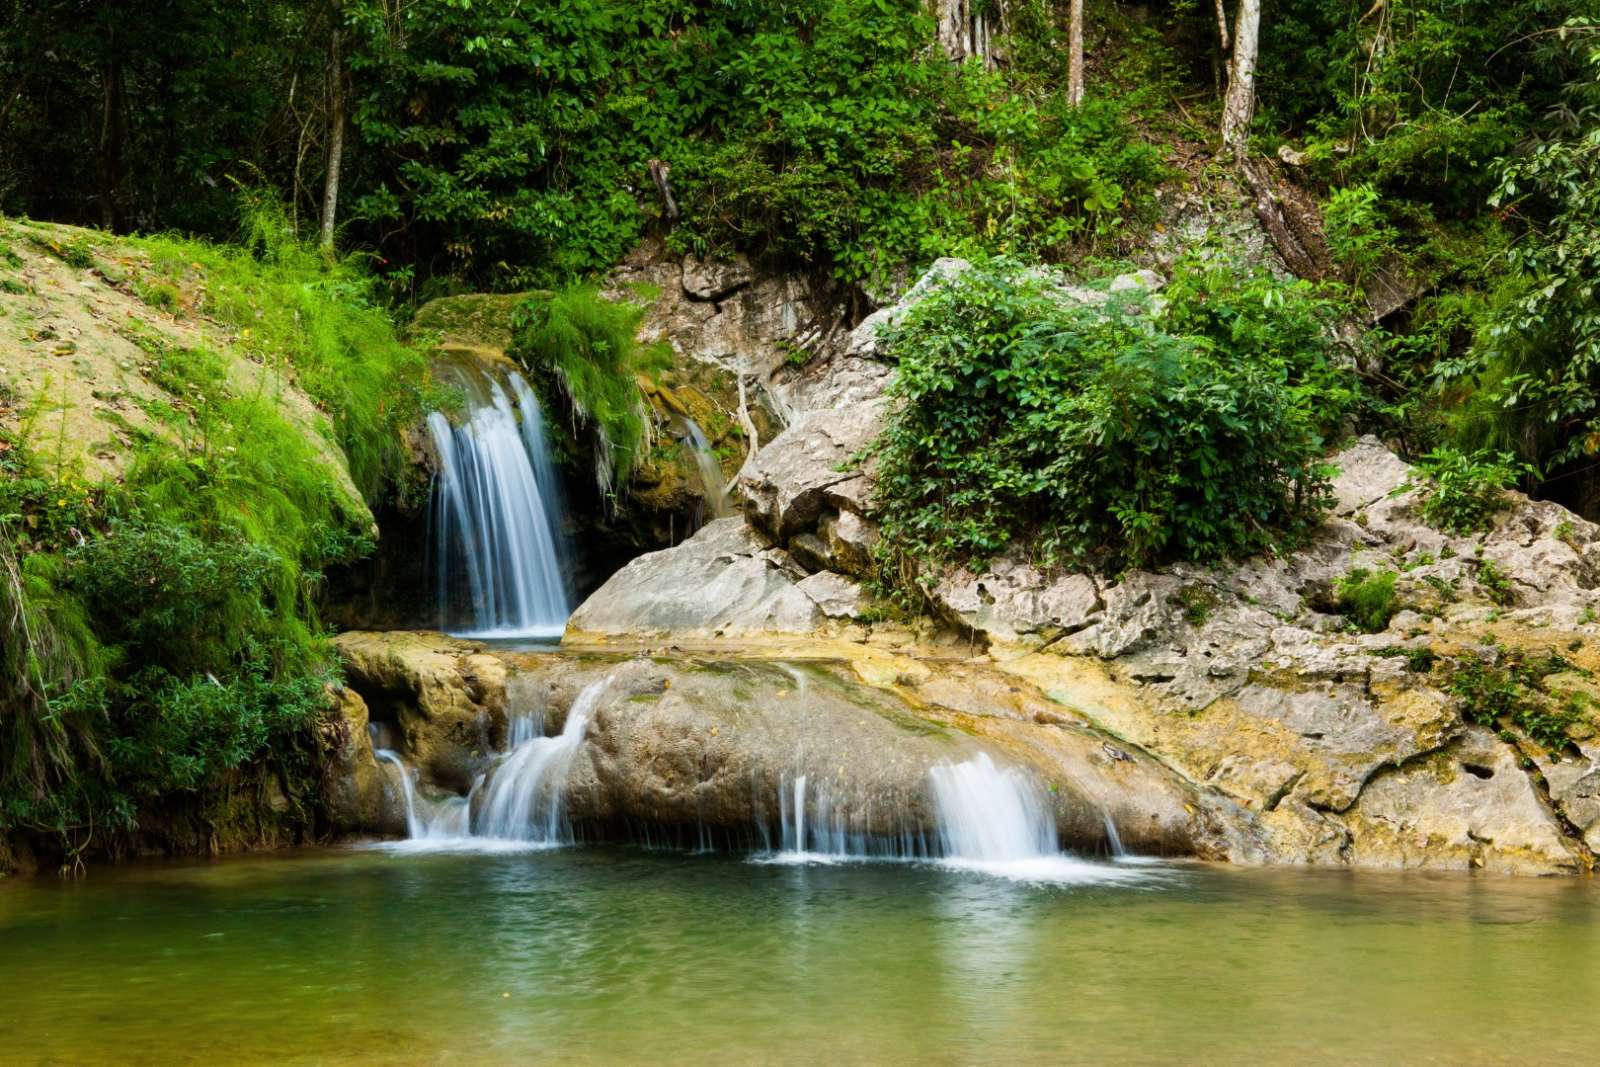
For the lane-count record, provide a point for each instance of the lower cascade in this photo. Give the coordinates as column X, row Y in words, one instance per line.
column 498, row 513
column 521, row 801
column 991, row 819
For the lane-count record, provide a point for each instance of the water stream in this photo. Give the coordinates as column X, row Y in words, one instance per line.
column 498, row 513
column 713, row 487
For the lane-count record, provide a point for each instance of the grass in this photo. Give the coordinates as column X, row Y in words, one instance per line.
column 583, row 346
column 1367, row 599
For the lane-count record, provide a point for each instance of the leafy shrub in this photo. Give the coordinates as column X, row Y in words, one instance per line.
column 1463, row 492
column 160, row 631
column 1358, row 235
column 584, row 346
column 1367, row 599
column 1096, row 427
column 1511, row 689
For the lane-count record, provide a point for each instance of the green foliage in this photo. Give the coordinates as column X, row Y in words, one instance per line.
column 584, row 345
column 1367, row 599
column 168, row 624
column 1107, row 428
column 1358, row 236
column 1494, row 582
column 1198, row 602
column 1509, row 689
column 1463, row 493
column 1418, row 660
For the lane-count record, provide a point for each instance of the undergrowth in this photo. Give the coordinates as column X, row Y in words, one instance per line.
column 1105, row 429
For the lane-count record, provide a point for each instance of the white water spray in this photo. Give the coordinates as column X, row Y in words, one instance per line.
column 526, row 798
column 498, row 514
column 520, row 804
column 998, row 821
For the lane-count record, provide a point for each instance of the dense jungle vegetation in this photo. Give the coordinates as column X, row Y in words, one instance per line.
column 161, row 632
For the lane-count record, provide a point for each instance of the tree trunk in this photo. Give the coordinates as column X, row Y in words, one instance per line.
column 1075, row 54
column 113, row 137
column 330, row 187
column 1240, row 104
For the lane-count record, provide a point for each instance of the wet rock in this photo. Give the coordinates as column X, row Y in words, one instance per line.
column 447, row 702
column 353, row 791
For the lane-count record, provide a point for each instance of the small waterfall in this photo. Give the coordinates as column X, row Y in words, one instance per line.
column 815, row 826
column 998, row 821
column 712, row 485
column 427, row 820
column 498, row 513
column 521, row 803
column 527, row 793
column 1113, row 839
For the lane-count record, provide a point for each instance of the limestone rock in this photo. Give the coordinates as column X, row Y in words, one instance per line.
column 836, row 597
column 705, row 279
column 447, row 704
column 353, row 790
column 1012, row 602
column 722, row 582
column 808, row 468
column 1466, row 806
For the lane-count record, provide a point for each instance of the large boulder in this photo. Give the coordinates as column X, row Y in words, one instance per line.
column 691, row 747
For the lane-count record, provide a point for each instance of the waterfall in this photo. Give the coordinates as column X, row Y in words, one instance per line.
column 498, row 513
column 526, row 798
column 998, row 821
column 712, row 485
column 520, row 804
column 815, row 826
column 1113, row 839
column 427, row 820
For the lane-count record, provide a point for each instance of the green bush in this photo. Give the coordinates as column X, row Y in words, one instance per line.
column 1511, row 690
column 1463, row 492
column 1367, row 599
column 1108, row 430
column 583, row 346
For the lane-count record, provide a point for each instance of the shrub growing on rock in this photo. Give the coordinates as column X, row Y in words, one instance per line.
column 1105, row 426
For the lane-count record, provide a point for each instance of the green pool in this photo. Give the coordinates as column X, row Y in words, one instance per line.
column 614, row 955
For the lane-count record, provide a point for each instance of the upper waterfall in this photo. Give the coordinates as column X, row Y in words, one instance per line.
column 498, row 513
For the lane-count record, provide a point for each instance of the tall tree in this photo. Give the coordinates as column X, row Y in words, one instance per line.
column 1239, row 106
column 336, row 124
column 1075, row 53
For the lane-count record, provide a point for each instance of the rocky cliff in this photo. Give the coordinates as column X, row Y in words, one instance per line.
column 1461, row 735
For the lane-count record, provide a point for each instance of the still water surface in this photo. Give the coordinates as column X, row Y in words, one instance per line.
column 610, row 955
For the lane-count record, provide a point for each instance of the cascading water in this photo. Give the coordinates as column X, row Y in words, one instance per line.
column 427, row 820
column 712, row 485
column 523, row 797
column 815, row 827
column 997, row 820
column 498, row 513
column 526, row 798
